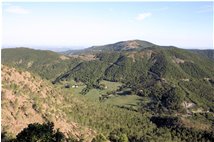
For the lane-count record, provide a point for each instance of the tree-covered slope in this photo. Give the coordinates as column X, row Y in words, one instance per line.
column 155, row 71
column 209, row 53
column 134, row 66
column 47, row 64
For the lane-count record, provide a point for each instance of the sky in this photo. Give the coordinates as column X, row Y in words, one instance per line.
column 84, row 24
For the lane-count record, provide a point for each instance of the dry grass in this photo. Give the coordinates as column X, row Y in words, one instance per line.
column 64, row 57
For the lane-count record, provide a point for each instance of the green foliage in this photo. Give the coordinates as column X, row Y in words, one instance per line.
column 170, row 129
column 5, row 137
column 193, row 70
column 123, row 138
column 164, row 98
column 118, row 135
column 90, row 72
column 47, row 64
column 186, row 134
column 172, row 99
column 99, row 138
column 200, row 92
column 159, row 67
column 104, row 118
column 166, row 121
column 127, row 71
column 40, row 132
column 209, row 53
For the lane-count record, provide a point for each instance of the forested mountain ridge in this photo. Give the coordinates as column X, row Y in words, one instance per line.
column 123, row 46
column 46, row 63
column 140, row 65
column 144, row 68
column 170, row 82
column 207, row 53
column 133, row 45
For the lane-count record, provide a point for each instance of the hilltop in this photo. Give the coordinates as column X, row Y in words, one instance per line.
column 123, row 46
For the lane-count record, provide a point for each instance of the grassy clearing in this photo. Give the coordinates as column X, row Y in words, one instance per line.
column 111, row 86
column 118, row 100
column 128, row 100
column 94, row 94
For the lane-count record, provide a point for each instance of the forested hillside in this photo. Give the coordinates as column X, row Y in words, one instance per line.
column 128, row 91
column 47, row 64
column 151, row 71
column 207, row 53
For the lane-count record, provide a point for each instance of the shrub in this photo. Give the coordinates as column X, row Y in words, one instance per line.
column 40, row 132
column 99, row 138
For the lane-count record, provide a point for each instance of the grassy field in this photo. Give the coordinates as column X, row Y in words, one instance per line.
column 127, row 101
column 111, row 86
column 94, row 94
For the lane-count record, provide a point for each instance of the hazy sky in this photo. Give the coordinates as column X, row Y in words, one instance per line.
column 183, row 24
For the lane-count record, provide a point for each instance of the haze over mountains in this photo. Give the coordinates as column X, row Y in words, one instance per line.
column 133, row 90
column 77, row 48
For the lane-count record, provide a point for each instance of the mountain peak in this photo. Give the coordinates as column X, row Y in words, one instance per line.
column 124, row 45
column 136, row 43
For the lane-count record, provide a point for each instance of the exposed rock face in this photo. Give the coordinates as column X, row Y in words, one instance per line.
column 142, row 54
column 177, row 60
column 132, row 44
column 64, row 57
column 185, row 79
column 85, row 57
column 188, row 105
